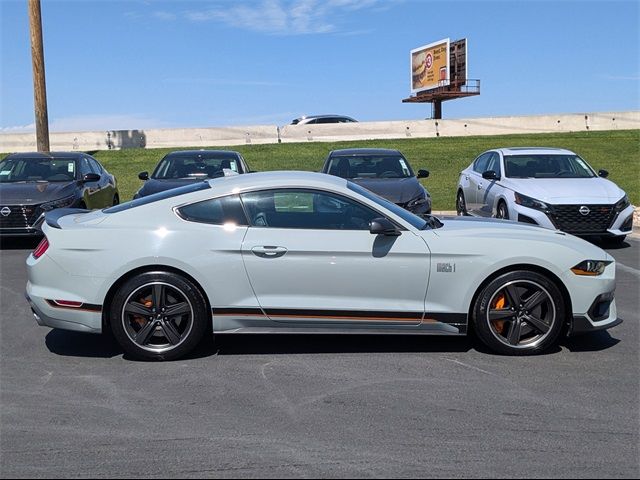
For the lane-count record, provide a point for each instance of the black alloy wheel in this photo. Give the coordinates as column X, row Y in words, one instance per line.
column 519, row 313
column 158, row 316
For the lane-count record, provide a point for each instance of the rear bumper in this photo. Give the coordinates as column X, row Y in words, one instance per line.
column 76, row 319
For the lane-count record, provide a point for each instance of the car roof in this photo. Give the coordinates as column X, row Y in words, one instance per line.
column 364, row 151
column 534, row 151
column 191, row 153
column 276, row 179
column 47, row 155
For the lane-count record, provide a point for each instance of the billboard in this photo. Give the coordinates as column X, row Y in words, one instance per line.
column 430, row 66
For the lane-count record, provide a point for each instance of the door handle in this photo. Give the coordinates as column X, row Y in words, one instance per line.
column 269, row 251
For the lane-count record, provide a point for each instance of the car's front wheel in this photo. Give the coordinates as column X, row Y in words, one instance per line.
column 519, row 313
column 461, row 205
column 158, row 316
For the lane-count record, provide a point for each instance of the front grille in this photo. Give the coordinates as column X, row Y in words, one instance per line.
column 569, row 219
column 21, row 216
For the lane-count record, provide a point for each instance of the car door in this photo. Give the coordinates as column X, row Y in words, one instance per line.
column 311, row 259
column 90, row 189
column 475, row 183
column 489, row 189
column 106, row 190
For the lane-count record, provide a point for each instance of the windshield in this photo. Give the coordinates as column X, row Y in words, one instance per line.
column 13, row 170
column 369, row 166
column 406, row 215
column 200, row 165
column 546, row 166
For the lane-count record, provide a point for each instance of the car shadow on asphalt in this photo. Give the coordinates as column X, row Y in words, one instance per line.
column 87, row 345
column 590, row 342
column 78, row 344
column 290, row 344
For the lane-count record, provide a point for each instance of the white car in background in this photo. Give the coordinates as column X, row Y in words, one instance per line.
column 297, row 252
column 550, row 187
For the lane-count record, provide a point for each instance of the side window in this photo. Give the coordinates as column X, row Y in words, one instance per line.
column 480, row 165
column 494, row 163
column 95, row 166
column 308, row 209
column 216, row 211
column 84, row 166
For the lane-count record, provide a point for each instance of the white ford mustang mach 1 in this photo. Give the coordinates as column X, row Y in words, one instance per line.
column 294, row 252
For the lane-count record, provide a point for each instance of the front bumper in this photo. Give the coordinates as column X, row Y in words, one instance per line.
column 622, row 223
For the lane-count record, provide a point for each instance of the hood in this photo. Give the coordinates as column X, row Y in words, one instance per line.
column 154, row 185
column 567, row 190
column 30, row 193
column 509, row 231
column 396, row 190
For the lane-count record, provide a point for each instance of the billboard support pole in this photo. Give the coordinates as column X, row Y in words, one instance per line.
column 437, row 109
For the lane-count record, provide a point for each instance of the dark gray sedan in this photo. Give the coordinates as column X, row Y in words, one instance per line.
column 34, row 183
column 386, row 173
column 183, row 167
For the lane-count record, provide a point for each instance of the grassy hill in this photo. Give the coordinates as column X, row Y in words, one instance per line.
column 616, row 151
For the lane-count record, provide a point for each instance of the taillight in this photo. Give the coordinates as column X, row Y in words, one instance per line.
column 41, row 248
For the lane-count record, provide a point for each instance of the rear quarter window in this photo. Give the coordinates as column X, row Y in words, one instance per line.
column 215, row 211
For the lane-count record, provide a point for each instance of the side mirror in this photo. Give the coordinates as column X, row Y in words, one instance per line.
column 490, row 175
column 603, row 173
column 143, row 176
column 383, row 226
column 91, row 177
column 423, row 173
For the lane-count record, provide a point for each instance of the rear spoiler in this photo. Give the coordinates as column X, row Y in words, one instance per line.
column 53, row 216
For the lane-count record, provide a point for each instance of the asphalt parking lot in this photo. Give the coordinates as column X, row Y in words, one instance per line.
column 325, row 406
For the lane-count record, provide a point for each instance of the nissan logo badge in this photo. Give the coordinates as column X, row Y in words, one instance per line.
column 584, row 210
column 6, row 211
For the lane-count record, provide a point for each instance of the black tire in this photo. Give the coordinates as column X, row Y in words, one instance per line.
column 502, row 211
column 170, row 332
column 116, row 200
column 461, row 204
column 82, row 205
column 519, row 313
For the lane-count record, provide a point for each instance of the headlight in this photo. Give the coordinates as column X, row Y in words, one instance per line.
column 62, row 202
column 419, row 200
column 590, row 268
column 530, row 202
column 622, row 204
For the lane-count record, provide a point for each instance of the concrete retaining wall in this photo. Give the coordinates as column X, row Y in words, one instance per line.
column 229, row 136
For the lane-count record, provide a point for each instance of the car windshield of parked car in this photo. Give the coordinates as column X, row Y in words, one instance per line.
column 196, row 167
column 369, row 166
column 13, row 170
column 407, row 216
column 546, row 166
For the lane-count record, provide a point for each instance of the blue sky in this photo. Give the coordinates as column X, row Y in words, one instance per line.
column 145, row 64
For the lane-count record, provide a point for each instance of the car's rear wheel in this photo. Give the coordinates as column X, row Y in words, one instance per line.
column 461, row 205
column 519, row 313
column 158, row 316
column 502, row 211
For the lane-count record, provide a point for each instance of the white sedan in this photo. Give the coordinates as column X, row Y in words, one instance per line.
column 551, row 187
column 294, row 252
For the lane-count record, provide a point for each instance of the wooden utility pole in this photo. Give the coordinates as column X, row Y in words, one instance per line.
column 39, row 85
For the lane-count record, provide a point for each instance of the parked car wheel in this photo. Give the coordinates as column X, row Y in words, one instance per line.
column 158, row 316
column 461, row 205
column 502, row 211
column 519, row 313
